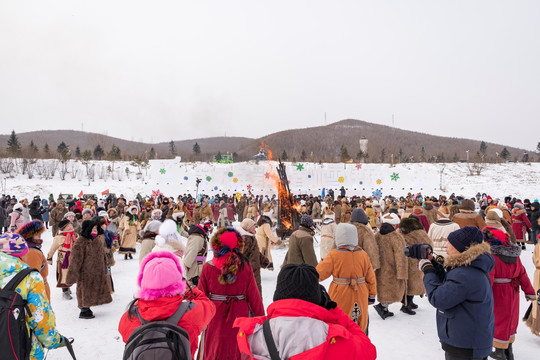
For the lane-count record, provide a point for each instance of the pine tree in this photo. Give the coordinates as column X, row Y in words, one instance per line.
column 196, row 149
column 78, row 152
column 14, row 146
column 98, row 152
column 152, row 154
column 86, row 155
column 46, row 150
column 33, row 149
column 63, row 151
column 115, row 153
column 400, row 154
column 483, row 148
column 218, row 157
column 423, row 154
column 344, row 154
column 505, row 154
column 383, row 155
column 456, row 158
column 303, row 155
column 172, row 148
column 525, row 157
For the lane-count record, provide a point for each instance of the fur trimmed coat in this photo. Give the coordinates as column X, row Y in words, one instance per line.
column 353, row 281
column 255, row 257
column 129, row 231
column 533, row 321
column 415, row 282
column 88, row 268
column 366, row 240
column 393, row 273
column 520, row 224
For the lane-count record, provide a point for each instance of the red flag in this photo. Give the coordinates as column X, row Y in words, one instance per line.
column 105, row 192
column 81, row 194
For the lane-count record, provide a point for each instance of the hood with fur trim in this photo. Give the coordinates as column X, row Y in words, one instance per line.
column 508, row 254
column 478, row 256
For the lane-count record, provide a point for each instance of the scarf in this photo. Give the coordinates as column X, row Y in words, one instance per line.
column 68, row 241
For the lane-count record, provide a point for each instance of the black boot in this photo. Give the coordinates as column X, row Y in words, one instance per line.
column 498, row 354
column 131, row 256
column 413, row 305
column 509, row 352
column 383, row 312
column 407, row 310
column 86, row 313
column 125, row 256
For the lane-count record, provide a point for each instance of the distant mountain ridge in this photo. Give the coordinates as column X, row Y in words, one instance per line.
column 319, row 143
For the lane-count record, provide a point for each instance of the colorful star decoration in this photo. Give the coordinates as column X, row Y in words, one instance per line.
column 267, row 175
column 162, row 171
column 249, row 187
column 358, row 166
column 377, row 193
column 230, row 174
column 186, row 178
column 208, row 178
column 341, row 179
column 394, row 177
column 235, row 180
column 379, row 181
column 300, row 167
column 156, row 193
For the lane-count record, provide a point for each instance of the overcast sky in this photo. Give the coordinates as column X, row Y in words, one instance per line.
column 171, row 69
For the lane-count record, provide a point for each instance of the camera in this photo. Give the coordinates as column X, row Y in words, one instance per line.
column 418, row 251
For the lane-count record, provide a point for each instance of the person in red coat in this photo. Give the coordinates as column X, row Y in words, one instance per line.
column 229, row 282
column 507, row 277
column 305, row 324
column 162, row 289
column 215, row 210
column 520, row 223
column 231, row 209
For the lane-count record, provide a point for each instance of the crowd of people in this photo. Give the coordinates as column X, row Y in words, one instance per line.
column 471, row 274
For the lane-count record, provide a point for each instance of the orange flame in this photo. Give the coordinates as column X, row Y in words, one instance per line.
column 285, row 201
column 266, row 148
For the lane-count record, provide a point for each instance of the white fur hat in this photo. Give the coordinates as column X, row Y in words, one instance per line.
column 391, row 219
column 169, row 234
column 498, row 212
column 156, row 214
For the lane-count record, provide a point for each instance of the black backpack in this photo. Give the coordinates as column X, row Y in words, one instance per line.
column 15, row 336
column 163, row 340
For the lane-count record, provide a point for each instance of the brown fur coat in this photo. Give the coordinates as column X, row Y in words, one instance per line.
column 415, row 283
column 88, row 268
column 393, row 274
column 366, row 240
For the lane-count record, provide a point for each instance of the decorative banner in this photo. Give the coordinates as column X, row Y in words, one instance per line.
column 300, row 167
column 394, row 177
column 186, row 178
column 377, row 193
column 379, row 181
column 81, row 194
column 235, row 180
column 156, row 193
column 162, row 171
column 208, row 178
column 105, row 192
column 358, row 166
column 341, row 179
column 230, row 174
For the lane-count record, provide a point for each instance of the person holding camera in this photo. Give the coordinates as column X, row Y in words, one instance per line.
column 461, row 293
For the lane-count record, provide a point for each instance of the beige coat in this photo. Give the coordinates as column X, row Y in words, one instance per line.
column 265, row 240
column 128, row 234
column 328, row 227
column 301, row 248
column 533, row 321
column 415, row 283
column 196, row 244
column 438, row 233
column 59, row 245
column 393, row 273
column 366, row 240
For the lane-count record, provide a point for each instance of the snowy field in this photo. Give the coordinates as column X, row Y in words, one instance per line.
column 400, row 337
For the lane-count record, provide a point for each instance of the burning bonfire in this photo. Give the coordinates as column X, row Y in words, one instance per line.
column 288, row 209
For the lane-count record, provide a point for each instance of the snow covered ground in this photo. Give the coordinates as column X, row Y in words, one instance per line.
column 400, row 337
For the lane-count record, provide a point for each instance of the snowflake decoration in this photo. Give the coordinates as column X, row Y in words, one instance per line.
column 235, row 180
column 341, row 179
column 162, row 171
column 394, row 177
column 230, row 174
column 215, row 187
column 208, row 178
column 377, row 193
column 267, row 175
column 249, row 187
column 379, row 181
column 300, row 167
column 156, row 193
column 358, row 166
column 186, row 178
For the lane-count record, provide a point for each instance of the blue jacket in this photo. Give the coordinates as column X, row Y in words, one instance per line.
column 464, row 301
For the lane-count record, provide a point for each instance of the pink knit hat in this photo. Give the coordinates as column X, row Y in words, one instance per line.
column 160, row 276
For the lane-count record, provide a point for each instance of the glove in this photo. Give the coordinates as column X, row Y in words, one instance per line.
column 371, row 300
column 49, row 261
column 425, row 266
